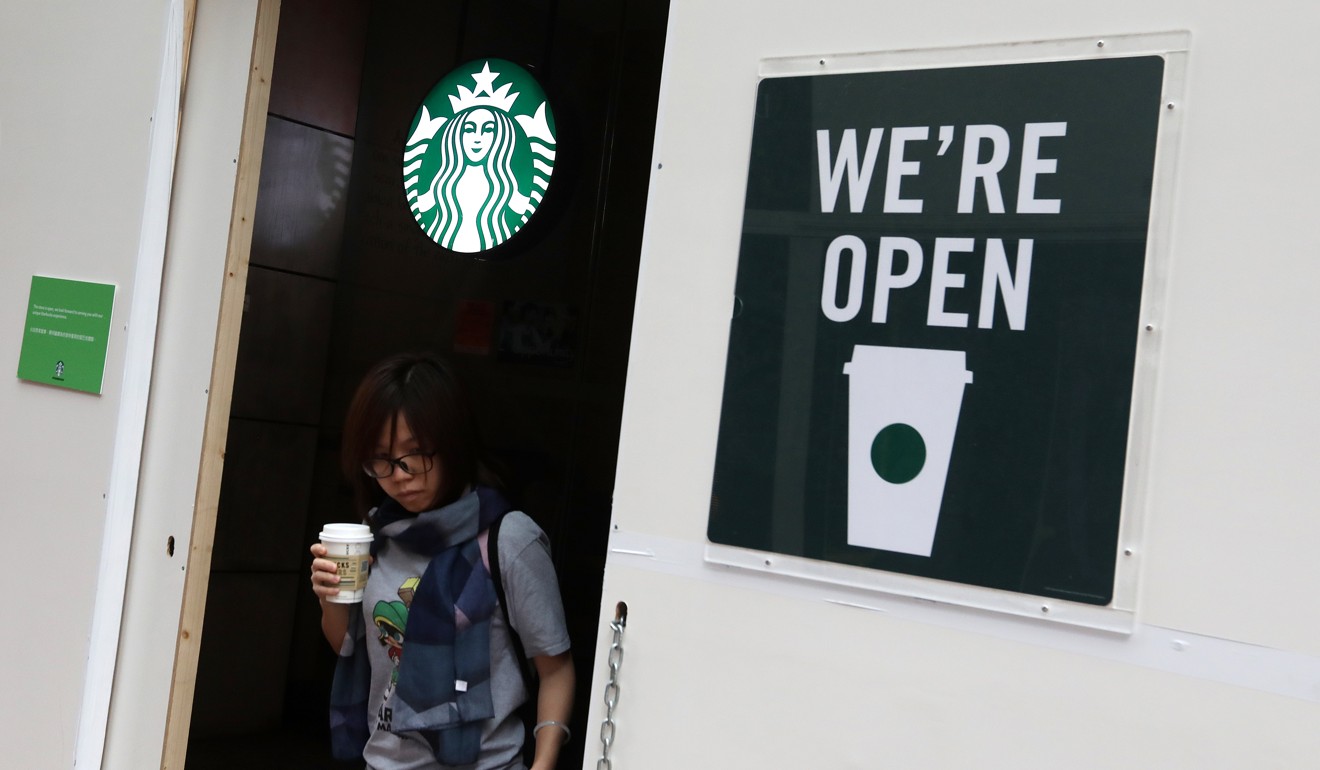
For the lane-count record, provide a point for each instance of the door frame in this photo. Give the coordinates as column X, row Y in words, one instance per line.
column 137, row 705
column 216, row 431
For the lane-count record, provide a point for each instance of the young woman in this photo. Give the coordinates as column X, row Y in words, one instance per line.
column 412, row 450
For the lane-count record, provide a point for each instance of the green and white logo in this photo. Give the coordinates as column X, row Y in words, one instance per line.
column 478, row 160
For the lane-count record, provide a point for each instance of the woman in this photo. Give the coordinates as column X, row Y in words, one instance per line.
column 411, row 449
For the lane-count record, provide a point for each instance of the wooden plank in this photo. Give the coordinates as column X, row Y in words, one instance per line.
column 189, row 25
column 216, row 432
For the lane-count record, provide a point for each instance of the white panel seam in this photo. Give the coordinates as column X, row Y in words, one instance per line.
column 140, row 348
column 1169, row 650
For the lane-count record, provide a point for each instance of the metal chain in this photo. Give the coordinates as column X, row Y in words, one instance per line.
column 612, row 687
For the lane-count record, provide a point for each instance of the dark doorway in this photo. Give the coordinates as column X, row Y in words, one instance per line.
column 341, row 276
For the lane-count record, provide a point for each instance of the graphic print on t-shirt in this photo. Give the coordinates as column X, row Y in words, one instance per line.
column 391, row 618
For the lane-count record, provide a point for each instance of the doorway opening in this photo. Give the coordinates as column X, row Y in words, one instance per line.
column 341, row 276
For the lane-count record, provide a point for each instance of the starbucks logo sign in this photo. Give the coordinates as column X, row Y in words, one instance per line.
column 479, row 156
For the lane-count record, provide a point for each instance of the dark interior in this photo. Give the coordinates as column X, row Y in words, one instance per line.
column 341, row 276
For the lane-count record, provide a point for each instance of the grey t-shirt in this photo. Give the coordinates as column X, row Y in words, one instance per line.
column 535, row 610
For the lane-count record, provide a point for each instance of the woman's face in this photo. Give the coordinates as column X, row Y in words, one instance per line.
column 478, row 134
column 416, row 492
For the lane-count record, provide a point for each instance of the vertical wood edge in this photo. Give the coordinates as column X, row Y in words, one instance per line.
column 215, row 435
column 189, row 25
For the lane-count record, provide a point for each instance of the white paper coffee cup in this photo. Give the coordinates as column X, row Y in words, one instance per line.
column 349, row 547
column 902, row 418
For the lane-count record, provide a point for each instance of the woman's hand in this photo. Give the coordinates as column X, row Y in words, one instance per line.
column 325, row 583
column 325, row 574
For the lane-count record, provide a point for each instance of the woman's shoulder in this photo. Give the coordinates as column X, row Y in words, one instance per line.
column 516, row 534
column 517, row 531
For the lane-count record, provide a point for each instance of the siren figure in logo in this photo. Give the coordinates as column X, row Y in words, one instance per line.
column 475, row 184
column 464, row 186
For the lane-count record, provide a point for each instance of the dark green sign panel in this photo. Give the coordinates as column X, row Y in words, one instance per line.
column 932, row 351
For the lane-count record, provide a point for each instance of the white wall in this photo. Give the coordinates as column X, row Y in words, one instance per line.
column 726, row 668
column 78, row 84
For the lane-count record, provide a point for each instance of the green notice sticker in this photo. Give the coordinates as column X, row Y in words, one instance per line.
column 66, row 334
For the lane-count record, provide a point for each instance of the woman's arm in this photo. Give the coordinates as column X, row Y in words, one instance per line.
column 554, row 703
column 325, row 581
column 536, row 613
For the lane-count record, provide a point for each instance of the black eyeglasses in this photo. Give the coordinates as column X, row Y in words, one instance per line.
column 412, row 463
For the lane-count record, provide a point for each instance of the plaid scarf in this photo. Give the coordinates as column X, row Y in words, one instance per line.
column 443, row 689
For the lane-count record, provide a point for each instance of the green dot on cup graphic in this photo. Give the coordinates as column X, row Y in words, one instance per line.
column 898, row 453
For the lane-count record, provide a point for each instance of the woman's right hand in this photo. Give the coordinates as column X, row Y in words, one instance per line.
column 325, row 573
column 325, row 583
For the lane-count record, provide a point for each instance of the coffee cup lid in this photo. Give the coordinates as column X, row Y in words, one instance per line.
column 352, row 532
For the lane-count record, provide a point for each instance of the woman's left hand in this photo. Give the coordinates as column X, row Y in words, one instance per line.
column 554, row 703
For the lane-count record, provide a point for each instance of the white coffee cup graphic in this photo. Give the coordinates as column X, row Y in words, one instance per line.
column 903, row 406
column 349, row 546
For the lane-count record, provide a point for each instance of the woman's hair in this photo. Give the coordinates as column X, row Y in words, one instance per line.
column 498, row 168
column 426, row 391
